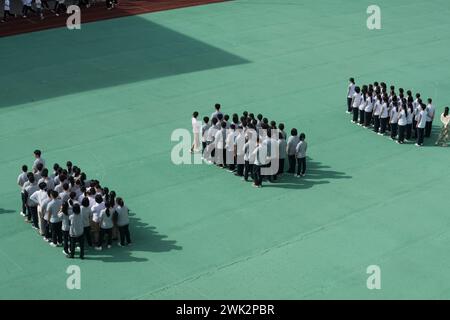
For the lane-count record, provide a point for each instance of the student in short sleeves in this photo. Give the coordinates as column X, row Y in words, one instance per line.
column 443, row 135
column 6, row 11
column 39, row 11
column 430, row 117
column 362, row 106
column 394, row 120
column 48, row 181
column 40, row 197
column 357, row 98
column 46, row 222
column 402, row 122
column 350, row 93
column 368, row 110
column 416, row 104
column 217, row 111
column 421, row 123
column 65, row 194
column 31, row 205
column 21, row 179
column 26, row 8
column 196, row 128
column 76, row 231
column 96, row 210
column 291, row 145
column 86, row 213
column 205, row 127
column 63, row 214
column 219, row 141
column 106, row 225
column 123, row 222
column 230, row 145
column 283, row 133
column 282, row 146
column 383, row 116
column 210, row 145
column 249, row 158
column 300, row 155
column 260, row 161
column 53, row 209
column 240, row 152
column 409, row 119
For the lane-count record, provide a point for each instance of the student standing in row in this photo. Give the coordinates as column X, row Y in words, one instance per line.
column 393, row 120
column 106, row 225
column 86, row 213
column 300, row 154
column 368, row 110
column 291, row 145
column 53, row 209
column 430, row 117
column 402, row 123
column 21, row 179
column 196, row 128
column 6, row 11
column 356, row 101
column 65, row 226
column 123, row 222
column 31, row 205
column 443, row 136
column 350, row 93
column 421, row 124
column 282, row 147
column 383, row 116
column 76, row 231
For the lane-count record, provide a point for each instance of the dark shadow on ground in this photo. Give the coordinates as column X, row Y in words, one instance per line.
column 145, row 238
column 6, row 211
column 316, row 174
column 60, row 62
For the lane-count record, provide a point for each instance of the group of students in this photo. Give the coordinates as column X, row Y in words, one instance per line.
column 68, row 209
column 38, row 6
column 405, row 116
column 249, row 145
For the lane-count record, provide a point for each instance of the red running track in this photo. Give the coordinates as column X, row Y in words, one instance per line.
column 96, row 12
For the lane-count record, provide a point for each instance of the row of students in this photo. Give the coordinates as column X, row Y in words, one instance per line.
column 400, row 113
column 60, row 6
column 55, row 204
column 249, row 145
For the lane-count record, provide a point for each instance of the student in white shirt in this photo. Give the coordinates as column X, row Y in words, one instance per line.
column 356, row 101
column 217, row 112
column 350, row 93
column 239, row 150
column 96, row 210
column 416, row 104
column 21, row 179
column 300, row 155
column 27, row 7
column 421, row 123
column 260, row 154
column 368, row 110
column 31, row 188
column 291, row 145
column 40, row 197
column 376, row 114
column 443, row 135
column 46, row 222
column 53, row 209
column 205, row 127
column 39, row 11
column 196, row 129
column 249, row 158
column 430, row 117
column 282, row 147
column 394, row 120
column 6, row 11
column 210, row 145
column 86, row 213
column 48, row 181
column 409, row 119
column 402, row 122
column 76, row 231
column 230, row 145
column 362, row 106
column 383, row 116
column 123, row 222
column 106, row 225
column 63, row 214
column 219, row 142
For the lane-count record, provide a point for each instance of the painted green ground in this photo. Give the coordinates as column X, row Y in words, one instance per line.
column 108, row 98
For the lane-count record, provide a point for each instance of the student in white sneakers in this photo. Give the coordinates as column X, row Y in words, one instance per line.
column 356, row 101
column 123, row 222
column 300, row 155
column 53, row 209
column 393, row 119
column 63, row 214
column 421, row 124
column 402, row 122
column 40, row 197
column 430, row 117
column 106, row 225
column 368, row 110
column 6, row 11
column 196, row 129
column 383, row 116
column 21, row 179
column 350, row 93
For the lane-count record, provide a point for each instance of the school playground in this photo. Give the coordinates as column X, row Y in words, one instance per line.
column 109, row 96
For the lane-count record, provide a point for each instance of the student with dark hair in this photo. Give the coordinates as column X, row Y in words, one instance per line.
column 210, row 136
column 430, row 110
column 38, row 159
column 383, row 116
column 260, row 154
column 402, row 122
column 416, row 104
column 21, row 179
column 368, row 110
column 230, row 146
column 26, row 7
column 350, row 93
column 106, row 225
column 65, row 226
column 259, row 121
column 356, row 101
column 300, row 155
column 394, row 119
column 291, row 145
column 281, row 128
column 31, row 205
column 421, row 123
column 69, row 166
column 219, row 141
column 225, row 119
column 205, row 127
column 443, row 135
column 97, row 208
column 216, row 113
column 409, row 118
column 65, row 194
column 53, row 209
column 86, row 213
column 249, row 158
column 39, row 198
column 123, row 222
column 48, row 181
column 45, row 216
column 282, row 146
column 239, row 149
column 6, row 11
column 196, row 128
column 76, row 231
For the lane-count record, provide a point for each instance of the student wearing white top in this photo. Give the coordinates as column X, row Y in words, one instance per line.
column 350, row 93
column 219, row 142
column 260, row 154
column 356, row 101
column 230, row 145
column 209, row 153
column 394, row 120
column 96, row 210
column 26, row 7
column 86, row 213
column 368, row 110
column 421, row 123
column 76, row 231
column 40, row 197
column 215, row 114
column 249, row 158
column 53, row 209
column 48, row 181
column 362, row 106
column 282, row 152
column 38, row 159
column 196, row 129
column 402, row 122
column 300, row 154
column 123, row 222
column 409, row 120
column 31, row 188
column 376, row 114
column 416, row 109
column 47, row 236
column 430, row 117
column 383, row 116
column 240, row 152
column 21, row 179
column 6, row 11
column 443, row 136
column 205, row 127
column 106, row 225
column 63, row 214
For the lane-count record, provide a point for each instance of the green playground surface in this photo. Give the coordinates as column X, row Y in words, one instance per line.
column 109, row 96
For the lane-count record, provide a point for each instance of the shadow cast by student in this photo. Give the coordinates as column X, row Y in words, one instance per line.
column 316, row 174
column 145, row 238
column 6, row 211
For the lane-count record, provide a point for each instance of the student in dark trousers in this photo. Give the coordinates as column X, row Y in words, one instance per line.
column 350, row 92
column 300, row 154
column 21, row 179
column 368, row 110
column 376, row 114
column 86, row 213
column 421, row 123
column 53, row 209
column 64, row 215
column 76, row 231
column 282, row 146
column 409, row 119
column 259, row 163
column 291, row 145
column 249, row 158
column 384, row 116
column 123, row 222
column 416, row 104
column 402, row 122
column 430, row 111
column 394, row 120
column 31, row 205
column 106, row 225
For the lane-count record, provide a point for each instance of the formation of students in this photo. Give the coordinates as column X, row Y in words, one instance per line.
column 68, row 209
column 58, row 7
column 249, row 146
column 400, row 113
